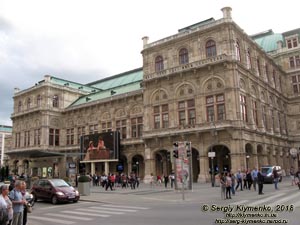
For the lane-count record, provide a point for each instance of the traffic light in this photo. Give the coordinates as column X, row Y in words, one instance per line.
column 188, row 149
column 175, row 151
column 168, row 156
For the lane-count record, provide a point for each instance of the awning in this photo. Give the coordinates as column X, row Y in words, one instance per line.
column 34, row 153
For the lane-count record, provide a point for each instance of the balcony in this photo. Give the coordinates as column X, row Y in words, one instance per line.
column 186, row 67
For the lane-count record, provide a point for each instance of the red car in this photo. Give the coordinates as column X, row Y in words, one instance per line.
column 55, row 190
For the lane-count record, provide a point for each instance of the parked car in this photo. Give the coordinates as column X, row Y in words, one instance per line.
column 54, row 190
column 267, row 172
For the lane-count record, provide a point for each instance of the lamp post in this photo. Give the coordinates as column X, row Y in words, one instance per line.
column 137, row 168
column 247, row 161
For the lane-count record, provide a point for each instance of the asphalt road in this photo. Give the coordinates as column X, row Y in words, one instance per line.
column 203, row 205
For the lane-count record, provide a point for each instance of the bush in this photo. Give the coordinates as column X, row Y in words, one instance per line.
column 84, row 178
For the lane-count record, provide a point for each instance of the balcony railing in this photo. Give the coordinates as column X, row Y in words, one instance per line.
column 185, row 67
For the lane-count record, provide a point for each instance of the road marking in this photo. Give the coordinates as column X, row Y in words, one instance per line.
column 85, row 213
column 69, row 217
column 127, row 207
column 51, row 220
column 100, row 211
column 285, row 199
column 264, row 200
column 117, row 209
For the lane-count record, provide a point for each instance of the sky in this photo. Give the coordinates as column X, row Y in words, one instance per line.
column 87, row 40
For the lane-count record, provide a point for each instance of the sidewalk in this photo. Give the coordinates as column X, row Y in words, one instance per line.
column 201, row 193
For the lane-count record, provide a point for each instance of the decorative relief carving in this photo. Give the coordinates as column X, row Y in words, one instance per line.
column 120, row 113
column 136, row 110
column 54, row 122
column 106, row 116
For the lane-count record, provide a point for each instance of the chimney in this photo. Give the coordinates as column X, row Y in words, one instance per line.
column 226, row 12
column 16, row 90
column 47, row 78
column 145, row 40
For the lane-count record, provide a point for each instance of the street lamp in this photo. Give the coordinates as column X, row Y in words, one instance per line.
column 247, row 161
column 212, row 154
column 137, row 168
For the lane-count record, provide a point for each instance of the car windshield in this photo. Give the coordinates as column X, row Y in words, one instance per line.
column 60, row 183
column 266, row 170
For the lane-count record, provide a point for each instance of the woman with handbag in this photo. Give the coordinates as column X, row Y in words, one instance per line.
column 23, row 191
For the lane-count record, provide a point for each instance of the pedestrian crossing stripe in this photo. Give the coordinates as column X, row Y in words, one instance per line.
column 102, row 211
column 68, row 217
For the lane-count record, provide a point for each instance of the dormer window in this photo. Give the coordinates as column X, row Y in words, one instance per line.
column 183, row 56
column 292, row 43
column 159, row 64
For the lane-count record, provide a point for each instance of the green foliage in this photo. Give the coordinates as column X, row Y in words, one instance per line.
column 84, row 178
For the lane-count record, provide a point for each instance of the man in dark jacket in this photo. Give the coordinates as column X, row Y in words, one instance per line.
column 260, row 181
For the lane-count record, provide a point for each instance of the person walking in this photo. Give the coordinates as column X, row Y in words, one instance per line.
column 228, row 183
column 172, row 179
column 18, row 203
column 239, row 177
column 166, row 180
column 233, row 178
column 23, row 191
column 260, row 181
column 223, row 185
column 276, row 178
column 254, row 177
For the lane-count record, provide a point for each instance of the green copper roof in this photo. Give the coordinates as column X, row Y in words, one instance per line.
column 269, row 42
column 4, row 128
column 108, row 93
column 118, row 80
column 74, row 85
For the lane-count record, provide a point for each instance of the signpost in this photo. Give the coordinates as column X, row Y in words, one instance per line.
column 211, row 155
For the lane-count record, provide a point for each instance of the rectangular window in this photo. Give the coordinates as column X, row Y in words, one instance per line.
column 258, row 67
column 93, row 129
column 215, row 108
column 27, row 138
column 267, row 73
column 254, row 110
column 292, row 62
column 80, row 132
column 296, row 83
column 156, row 121
column 297, row 59
column 70, row 136
column 295, row 42
column 137, row 127
column 274, row 79
column 264, row 116
column 53, row 137
column 121, row 127
column 106, row 127
column 243, row 108
column 37, row 137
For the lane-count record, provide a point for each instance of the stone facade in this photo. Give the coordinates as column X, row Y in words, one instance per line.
column 210, row 84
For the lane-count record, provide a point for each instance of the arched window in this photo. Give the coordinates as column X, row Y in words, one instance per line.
column 19, row 106
column 238, row 51
column 159, row 64
column 183, row 56
column 28, row 103
column 39, row 100
column 55, row 102
column 211, row 49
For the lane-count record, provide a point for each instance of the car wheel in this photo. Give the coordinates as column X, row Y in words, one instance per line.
column 75, row 201
column 54, row 200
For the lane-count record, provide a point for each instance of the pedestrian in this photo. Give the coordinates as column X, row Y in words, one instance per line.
column 228, row 185
column 166, row 180
column 222, row 185
column 292, row 175
column 151, row 180
column 249, row 179
column 276, row 178
column 245, row 183
column 18, row 203
column 172, row 179
column 109, row 183
column 254, row 177
column 260, row 182
column 297, row 178
column 233, row 178
column 6, row 210
column 23, row 191
column 239, row 177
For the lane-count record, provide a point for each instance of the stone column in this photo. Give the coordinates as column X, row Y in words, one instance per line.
column 203, row 176
column 92, row 168
column 106, row 167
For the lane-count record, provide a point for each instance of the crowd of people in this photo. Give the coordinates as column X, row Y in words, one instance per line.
column 246, row 180
column 13, row 210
